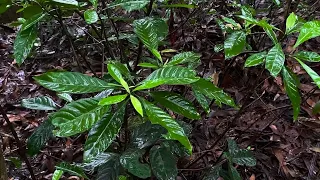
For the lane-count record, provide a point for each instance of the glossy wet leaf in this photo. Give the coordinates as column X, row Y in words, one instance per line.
column 151, row 31
column 130, row 160
column 170, row 76
column 308, row 56
column 212, row 91
column 269, row 30
column 116, row 74
column 163, row 163
column 57, row 174
column 146, row 135
column 202, row 100
column 130, row 5
column 244, row 157
column 90, row 16
column 255, row 59
column 103, row 94
column 72, row 169
column 67, row 2
column 148, row 65
column 176, row 103
column 32, row 21
column 99, row 160
column 112, row 99
column 77, row 117
column 290, row 22
column 39, row 103
column 136, row 104
column 65, row 96
column 39, row 137
column 275, row 60
column 315, row 77
column 183, row 58
column 175, row 131
column 122, row 69
column 291, row 86
column 72, row 82
column 109, row 170
column 23, row 44
column 308, row 31
column 104, row 132
column 176, row 148
column 234, row 44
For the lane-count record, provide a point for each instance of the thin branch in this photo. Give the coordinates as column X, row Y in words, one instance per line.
column 22, row 150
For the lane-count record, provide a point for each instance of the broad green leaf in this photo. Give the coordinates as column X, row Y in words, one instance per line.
column 72, row 169
column 130, row 5
column 99, row 160
column 136, row 104
column 231, row 21
column 31, row 10
column 109, row 170
column 214, row 173
column 130, row 160
column 122, row 68
column 116, row 74
column 146, row 135
column 122, row 177
column 232, row 147
column 72, row 82
column 151, row 31
column 148, row 65
column 244, row 157
column 90, row 16
column 213, row 92
column 176, row 148
column 170, row 76
column 315, row 77
column 269, row 30
column 39, row 137
column 234, row 44
column 94, row 3
column 291, row 21
column 30, row 22
column 291, row 87
column 23, row 44
column 4, row 6
column 255, row 59
column 77, row 116
column 297, row 26
column 39, row 103
column 113, row 99
column 233, row 173
column 175, row 131
column 309, row 30
column 182, row 58
column 67, row 2
column 103, row 132
column 308, row 56
column 57, row 174
column 163, row 163
column 65, row 96
column 202, row 100
column 176, row 103
column 275, row 60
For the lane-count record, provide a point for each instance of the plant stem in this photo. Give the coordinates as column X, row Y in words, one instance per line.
column 21, row 148
column 140, row 43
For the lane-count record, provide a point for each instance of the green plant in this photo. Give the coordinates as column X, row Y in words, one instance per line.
column 242, row 157
column 126, row 107
column 273, row 57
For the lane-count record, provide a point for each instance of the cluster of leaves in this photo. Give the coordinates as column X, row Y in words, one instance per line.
column 155, row 139
column 273, row 58
column 242, row 157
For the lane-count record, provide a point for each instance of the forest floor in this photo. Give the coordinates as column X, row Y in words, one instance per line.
column 284, row 149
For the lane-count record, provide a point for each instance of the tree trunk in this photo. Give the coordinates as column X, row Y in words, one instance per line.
column 3, row 169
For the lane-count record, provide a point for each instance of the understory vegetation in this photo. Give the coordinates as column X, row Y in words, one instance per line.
column 145, row 89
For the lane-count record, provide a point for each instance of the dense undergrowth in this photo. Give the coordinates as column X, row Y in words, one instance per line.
column 137, row 107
